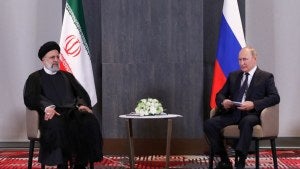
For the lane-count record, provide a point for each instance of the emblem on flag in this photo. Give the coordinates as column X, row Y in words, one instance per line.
column 72, row 46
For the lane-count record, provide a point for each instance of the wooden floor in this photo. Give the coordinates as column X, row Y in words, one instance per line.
column 283, row 143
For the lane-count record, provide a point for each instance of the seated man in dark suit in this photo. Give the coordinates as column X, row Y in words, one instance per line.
column 256, row 90
column 68, row 127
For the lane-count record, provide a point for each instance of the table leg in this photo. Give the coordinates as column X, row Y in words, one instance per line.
column 169, row 133
column 130, row 137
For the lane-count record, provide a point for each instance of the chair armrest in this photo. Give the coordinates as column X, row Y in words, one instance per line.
column 270, row 121
column 32, row 124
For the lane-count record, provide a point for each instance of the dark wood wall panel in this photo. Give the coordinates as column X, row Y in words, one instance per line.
column 152, row 48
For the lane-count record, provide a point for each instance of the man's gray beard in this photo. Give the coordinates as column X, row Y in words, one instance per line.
column 53, row 68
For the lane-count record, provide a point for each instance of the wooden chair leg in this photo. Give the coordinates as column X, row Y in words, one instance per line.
column 31, row 148
column 274, row 154
column 211, row 158
column 256, row 153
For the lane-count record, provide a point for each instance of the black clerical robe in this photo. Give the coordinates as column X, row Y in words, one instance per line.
column 73, row 133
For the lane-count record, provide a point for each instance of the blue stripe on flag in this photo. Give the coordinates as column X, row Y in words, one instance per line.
column 228, row 49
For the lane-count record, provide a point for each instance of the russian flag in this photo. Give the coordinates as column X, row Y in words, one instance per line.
column 231, row 40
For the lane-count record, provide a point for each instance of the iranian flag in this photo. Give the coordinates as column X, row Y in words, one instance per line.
column 75, row 54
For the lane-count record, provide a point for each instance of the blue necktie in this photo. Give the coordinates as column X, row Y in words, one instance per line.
column 243, row 88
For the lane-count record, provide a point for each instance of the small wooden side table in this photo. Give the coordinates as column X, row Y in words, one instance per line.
column 130, row 117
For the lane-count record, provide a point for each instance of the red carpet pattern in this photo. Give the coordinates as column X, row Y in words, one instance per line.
column 17, row 159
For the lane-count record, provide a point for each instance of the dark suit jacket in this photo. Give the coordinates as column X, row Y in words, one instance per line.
column 262, row 90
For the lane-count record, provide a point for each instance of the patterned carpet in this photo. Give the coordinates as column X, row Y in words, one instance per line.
column 17, row 159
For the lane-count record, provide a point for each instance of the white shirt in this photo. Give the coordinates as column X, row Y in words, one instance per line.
column 251, row 73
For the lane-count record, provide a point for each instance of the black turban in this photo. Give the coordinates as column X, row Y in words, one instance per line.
column 48, row 46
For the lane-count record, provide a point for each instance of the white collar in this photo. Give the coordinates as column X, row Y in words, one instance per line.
column 252, row 71
column 49, row 71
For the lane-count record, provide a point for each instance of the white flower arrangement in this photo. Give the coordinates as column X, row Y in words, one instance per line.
column 149, row 106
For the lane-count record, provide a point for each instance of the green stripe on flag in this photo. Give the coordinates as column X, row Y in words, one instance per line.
column 75, row 9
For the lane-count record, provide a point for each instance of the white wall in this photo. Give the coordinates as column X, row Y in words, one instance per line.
column 25, row 25
column 272, row 27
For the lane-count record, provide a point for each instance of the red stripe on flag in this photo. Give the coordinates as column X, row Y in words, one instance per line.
column 63, row 64
column 219, row 80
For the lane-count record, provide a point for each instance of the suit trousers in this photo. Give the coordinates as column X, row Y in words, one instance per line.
column 245, row 121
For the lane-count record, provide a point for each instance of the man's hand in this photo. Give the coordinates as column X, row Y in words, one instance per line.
column 49, row 113
column 84, row 108
column 246, row 106
column 227, row 104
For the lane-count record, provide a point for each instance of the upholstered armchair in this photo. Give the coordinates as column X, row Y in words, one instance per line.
column 33, row 133
column 267, row 130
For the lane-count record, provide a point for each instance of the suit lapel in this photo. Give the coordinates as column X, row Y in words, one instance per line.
column 237, row 84
column 252, row 83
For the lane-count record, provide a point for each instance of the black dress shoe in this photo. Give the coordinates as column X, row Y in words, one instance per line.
column 224, row 165
column 242, row 160
column 79, row 166
column 240, row 164
column 62, row 166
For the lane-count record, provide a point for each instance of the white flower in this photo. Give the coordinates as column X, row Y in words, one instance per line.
column 149, row 106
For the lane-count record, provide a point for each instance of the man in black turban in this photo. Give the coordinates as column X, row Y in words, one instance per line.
column 69, row 129
column 48, row 46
